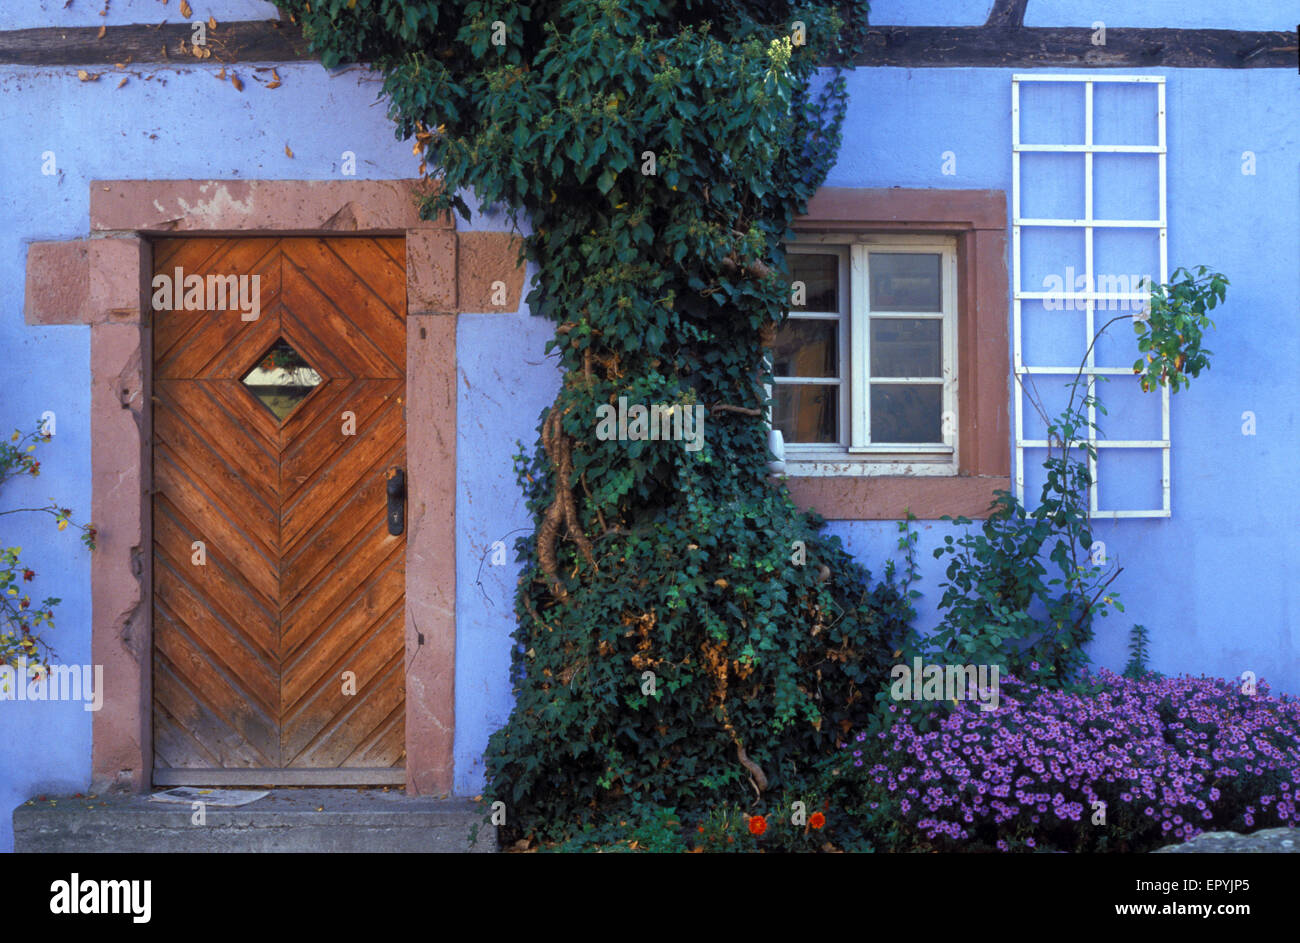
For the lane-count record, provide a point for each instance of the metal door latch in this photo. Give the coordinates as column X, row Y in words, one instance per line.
column 396, row 500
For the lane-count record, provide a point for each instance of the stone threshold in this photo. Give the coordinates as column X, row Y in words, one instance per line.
column 288, row 820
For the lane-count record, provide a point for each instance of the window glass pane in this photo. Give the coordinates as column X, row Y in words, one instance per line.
column 807, row 348
column 806, row 412
column 820, row 274
column 906, row 347
column 906, row 413
column 905, row 281
column 281, row 379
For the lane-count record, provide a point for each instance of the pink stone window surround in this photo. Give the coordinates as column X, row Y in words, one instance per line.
column 977, row 221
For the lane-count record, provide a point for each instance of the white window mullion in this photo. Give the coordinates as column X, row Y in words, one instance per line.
column 859, row 338
column 857, row 454
column 847, row 291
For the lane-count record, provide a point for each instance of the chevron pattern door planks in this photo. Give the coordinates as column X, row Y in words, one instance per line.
column 278, row 606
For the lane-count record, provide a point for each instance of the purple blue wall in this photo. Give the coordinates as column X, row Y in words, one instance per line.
column 182, row 123
column 32, row 14
column 1216, row 584
column 1238, row 14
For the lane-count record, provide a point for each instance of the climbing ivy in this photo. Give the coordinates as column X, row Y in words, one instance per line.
column 686, row 636
column 25, row 623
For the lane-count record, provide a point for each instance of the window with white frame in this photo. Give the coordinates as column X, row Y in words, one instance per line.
column 865, row 367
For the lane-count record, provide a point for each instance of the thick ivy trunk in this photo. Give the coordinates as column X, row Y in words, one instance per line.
column 686, row 636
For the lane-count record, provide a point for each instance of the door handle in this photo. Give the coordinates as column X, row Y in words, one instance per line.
column 396, row 500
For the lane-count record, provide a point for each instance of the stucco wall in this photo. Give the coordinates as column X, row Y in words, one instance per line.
column 1215, row 584
column 1240, row 14
column 505, row 384
column 164, row 123
column 31, row 14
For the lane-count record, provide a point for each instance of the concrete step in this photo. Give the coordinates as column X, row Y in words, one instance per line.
column 287, row 820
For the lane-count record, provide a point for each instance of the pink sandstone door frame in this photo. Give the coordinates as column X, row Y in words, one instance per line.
column 103, row 282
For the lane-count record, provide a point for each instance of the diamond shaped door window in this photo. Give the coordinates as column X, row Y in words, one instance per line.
column 281, row 379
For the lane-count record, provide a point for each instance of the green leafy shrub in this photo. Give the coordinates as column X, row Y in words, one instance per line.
column 23, row 624
column 725, row 830
column 644, row 828
column 782, row 826
column 1171, row 332
column 1025, row 590
column 1139, row 647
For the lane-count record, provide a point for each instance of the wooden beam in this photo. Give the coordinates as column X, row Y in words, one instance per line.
column 1071, row 47
column 998, row 43
column 246, row 41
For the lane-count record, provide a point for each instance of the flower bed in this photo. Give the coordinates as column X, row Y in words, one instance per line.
column 1113, row 765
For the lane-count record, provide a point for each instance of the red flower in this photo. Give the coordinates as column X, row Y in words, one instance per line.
column 816, row 820
column 757, row 825
column 28, row 575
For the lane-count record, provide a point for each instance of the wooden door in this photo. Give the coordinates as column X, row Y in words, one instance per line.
column 278, row 590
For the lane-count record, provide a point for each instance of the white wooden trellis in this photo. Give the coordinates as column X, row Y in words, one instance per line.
column 1090, row 296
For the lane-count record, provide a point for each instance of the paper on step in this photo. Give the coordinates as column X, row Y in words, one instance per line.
column 227, row 798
